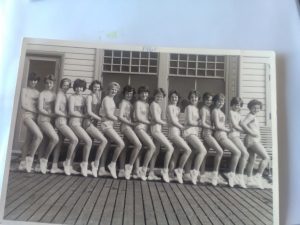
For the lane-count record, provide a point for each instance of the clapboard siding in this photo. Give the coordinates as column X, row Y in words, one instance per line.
column 253, row 83
column 78, row 62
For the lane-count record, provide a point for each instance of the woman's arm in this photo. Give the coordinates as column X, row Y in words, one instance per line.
column 155, row 113
column 24, row 101
column 244, row 124
column 138, row 108
column 89, row 108
column 41, row 105
column 122, row 116
column 189, row 117
column 217, row 122
column 203, row 115
column 234, row 122
column 109, row 114
column 172, row 117
column 57, row 111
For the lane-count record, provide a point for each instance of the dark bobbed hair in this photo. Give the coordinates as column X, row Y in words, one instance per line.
column 33, row 76
column 159, row 91
column 65, row 80
column 143, row 89
column 217, row 97
column 253, row 103
column 206, row 95
column 93, row 83
column 193, row 92
column 49, row 77
column 236, row 101
column 173, row 92
column 79, row 83
column 128, row 88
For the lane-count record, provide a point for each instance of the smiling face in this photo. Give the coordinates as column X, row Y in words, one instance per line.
column 194, row 99
column 255, row 109
column 78, row 90
column 236, row 107
column 32, row 83
column 113, row 91
column 144, row 96
column 174, row 99
column 65, row 86
column 208, row 101
column 220, row 103
column 49, row 84
column 96, row 88
column 158, row 97
column 128, row 95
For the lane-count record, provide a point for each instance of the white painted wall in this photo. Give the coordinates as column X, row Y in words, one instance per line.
column 255, row 25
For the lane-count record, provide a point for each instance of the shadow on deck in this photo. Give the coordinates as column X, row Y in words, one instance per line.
column 77, row 200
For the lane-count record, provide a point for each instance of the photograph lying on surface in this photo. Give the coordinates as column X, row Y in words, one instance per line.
column 108, row 134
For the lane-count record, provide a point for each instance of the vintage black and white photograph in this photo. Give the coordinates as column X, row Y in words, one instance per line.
column 112, row 134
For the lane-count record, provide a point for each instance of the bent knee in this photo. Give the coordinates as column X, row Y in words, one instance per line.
column 266, row 157
column 121, row 144
column 74, row 140
column 39, row 137
column 138, row 145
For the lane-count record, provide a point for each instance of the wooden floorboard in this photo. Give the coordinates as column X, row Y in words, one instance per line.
column 56, row 207
column 139, row 215
column 77, row 200
column 205, row 204
column 101, row 201
column 261, row 214
column 87, row 210
column 160, row 214
column 71, row 202
column 43, row 198
column 129, row 204
column 80, row 204
column 185, row 204
column 110, row 204
column 178, row 208
column 16, row 192
column 27, row 196
column 232, row 199
column 118, row 215
column 148, row 204
column 170, row 214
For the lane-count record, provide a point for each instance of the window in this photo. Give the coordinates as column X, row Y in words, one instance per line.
column 130, row 67
column 205, row 73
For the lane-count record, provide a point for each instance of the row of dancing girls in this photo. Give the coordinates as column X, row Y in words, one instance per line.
column 133, row 131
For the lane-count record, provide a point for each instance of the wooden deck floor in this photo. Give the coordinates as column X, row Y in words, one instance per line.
column 77, row 200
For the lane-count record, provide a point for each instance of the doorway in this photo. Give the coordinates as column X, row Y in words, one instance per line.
column 42, row 66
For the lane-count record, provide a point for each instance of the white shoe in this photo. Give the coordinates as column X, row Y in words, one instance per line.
column 67, row 168
column 29, row 161
column 84, row 168
column 103, row 173
column 94, row 169
column 112, row 169
column 214, row 178
column 75, row 172
column 187, row 176
column 37, row 168
column 178, row 173
column 258, row 181
column 121, row 173
column 251, row 181
column 22, row 166
column 43, row 165
column 240, row 180
column 128, row 169
column 152, row 176
column 55, row 169
column 165, row 175
column 231, row 179
column 194, row 176
column 142, row 173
